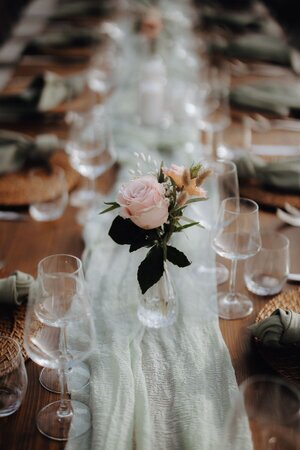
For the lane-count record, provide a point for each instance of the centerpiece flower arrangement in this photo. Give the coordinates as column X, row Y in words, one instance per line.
column 151, row 211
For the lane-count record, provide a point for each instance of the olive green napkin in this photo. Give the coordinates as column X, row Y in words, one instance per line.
column 17, row 150
column 257, row 47
column 64, row 38
column 235, row 20
column 276, row 97
column 280, row 329
column 283, row 175
column 80, row 8
column 14, row 289
column 44, row 93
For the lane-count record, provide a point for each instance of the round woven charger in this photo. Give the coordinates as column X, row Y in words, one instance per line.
column 285, row 361
column 12, row 325
column 269, row 198
column 19, row 189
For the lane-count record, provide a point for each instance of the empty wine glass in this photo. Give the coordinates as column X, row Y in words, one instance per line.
column 59, row 332
column 236, row 237
column 103, row 73
column 222, row 183
column 264, row 416
column 91, row 153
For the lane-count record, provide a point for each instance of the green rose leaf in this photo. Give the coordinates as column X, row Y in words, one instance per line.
column 151, row 268
column 177, row 257
column 124, row 231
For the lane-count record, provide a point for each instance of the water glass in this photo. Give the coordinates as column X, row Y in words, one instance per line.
column 265, row 415
column 55, row 183
column 267, row 271
column 13, row 376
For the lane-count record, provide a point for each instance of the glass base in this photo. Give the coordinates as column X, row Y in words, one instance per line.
column 154, row 318
column 80, row 197
column 219, row 270
column 77, row 378
column 233, row 306
column 63, row 428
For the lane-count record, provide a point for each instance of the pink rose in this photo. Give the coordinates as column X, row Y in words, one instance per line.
column 143, row 201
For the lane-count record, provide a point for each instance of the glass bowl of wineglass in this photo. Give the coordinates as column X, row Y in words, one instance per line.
column 91, row 153
column 236, row 237
column 60, row 333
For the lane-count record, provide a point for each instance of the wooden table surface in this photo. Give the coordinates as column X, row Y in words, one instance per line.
column 24, row 244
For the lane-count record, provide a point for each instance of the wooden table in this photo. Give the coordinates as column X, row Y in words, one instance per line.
column 24, row 244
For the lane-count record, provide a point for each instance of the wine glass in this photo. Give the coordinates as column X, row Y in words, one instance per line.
column 91, row 153
column 236, row 237
column 212, row 107
column 103, row 73
column 264, row 415
column 59, row 332
column 222, row 183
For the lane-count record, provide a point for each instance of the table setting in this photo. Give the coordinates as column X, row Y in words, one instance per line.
column 148, row 229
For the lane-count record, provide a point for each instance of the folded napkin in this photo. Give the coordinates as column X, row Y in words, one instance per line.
column 44, row 93
column 280, row 174
column 14, row 289
column 76, row 37
column 257, row 47
column 17, row 150
column 235, row 20
column 278, row 98
column 280, row 329
column 80, row 8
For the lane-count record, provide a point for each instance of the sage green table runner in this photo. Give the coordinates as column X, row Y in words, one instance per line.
column 152, row 389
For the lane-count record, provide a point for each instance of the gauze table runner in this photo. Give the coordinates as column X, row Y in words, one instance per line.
column 153, row 389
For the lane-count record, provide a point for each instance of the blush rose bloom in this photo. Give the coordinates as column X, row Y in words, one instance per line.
column 177, row 174
column 143, row 201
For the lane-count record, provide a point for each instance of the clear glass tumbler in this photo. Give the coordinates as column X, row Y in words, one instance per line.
column 13, row 376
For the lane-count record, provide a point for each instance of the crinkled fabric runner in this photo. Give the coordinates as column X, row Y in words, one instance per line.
column 150, row 389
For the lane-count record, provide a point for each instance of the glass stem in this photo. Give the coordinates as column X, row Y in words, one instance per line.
column 65, row 408
column 232, row 280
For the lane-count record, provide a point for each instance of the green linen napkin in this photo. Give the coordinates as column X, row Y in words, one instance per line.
column 278, row 98
column 17, row 150
column 257, row 47
column 80, row 8
column 280, row 329
column 235, row 20
column 68, row 37
column 283, row 175
column 14, row 289
column 44, row 93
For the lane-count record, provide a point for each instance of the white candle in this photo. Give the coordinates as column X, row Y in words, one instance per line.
column 152, row 92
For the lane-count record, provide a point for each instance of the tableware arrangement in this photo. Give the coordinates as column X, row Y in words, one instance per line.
column 271, row 407
column 266, row 272
column 59, row 334
column 151, row 210
column 236, row 237
column 13, row 376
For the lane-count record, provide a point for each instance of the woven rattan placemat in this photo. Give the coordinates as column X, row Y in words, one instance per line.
column 269, row 198
column 12, row 324
column 285, row 361
column 18, row 189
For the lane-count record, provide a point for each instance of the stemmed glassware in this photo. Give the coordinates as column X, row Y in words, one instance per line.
column 59, row 332
column 236, row 237
column 266, row 414
column 91, row 153
column 222, row 183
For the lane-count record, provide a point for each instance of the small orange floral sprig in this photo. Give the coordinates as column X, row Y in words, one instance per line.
column 151, row 210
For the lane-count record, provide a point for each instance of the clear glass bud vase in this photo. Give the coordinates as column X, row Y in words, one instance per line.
column 158, row 306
